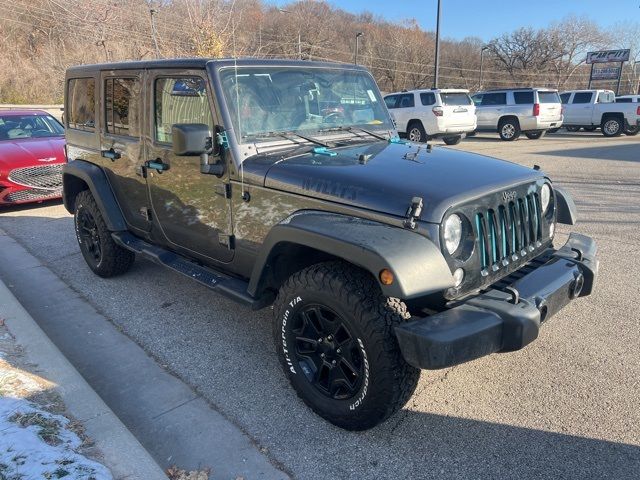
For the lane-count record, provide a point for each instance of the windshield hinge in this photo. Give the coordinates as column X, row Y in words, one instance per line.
column 413, row 213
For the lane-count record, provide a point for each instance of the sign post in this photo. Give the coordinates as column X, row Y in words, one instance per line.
column 611, row 73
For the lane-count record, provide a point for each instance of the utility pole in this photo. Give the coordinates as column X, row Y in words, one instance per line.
column 482, row 50
column 355, row 54
column 435, row 73
column 153, row 12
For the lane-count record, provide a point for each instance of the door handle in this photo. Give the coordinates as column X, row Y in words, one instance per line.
column 157, row 165
column 111, row 154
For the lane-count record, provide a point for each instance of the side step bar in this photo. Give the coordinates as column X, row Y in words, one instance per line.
column 233, row 288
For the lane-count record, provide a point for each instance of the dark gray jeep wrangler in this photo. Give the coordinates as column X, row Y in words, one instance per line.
column 284, row 183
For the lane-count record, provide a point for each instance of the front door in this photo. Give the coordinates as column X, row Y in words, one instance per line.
column 122, row 150
column 191, row 208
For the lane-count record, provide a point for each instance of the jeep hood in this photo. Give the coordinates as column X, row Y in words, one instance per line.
column 384, row 177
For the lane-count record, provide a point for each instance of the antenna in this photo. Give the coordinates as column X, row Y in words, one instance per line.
column 235, row 68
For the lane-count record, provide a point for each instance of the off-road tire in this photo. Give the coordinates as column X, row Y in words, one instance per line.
column 416, row 130
column 452, row 140
column 612, row 126
column 535, row 135
column 553, row 130
column 631, row 130
column 387, row 382
column 509, row 129
column 111, row 259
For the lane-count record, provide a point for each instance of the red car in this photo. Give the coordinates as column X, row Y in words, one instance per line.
column 31, row 156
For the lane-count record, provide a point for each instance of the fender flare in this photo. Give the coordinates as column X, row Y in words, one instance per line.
column 567, row 212
column 418, row 266
column 96, row 180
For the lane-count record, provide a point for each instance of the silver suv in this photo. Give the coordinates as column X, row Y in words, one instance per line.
column 512, row 111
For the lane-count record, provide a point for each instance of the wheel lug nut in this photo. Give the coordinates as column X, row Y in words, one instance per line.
column 338, row 351
column 329, row 338
column 322, row 355
column 320, row 340
column 333, row 362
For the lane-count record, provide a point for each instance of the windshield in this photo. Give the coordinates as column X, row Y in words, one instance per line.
column 264, row 101
column 29, row 126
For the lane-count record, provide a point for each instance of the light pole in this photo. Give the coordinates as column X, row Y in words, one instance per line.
column 485, row 47
column 282, row 10
column 435, row 73
column 355, row 54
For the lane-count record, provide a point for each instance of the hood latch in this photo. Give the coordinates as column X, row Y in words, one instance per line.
column 413, row 213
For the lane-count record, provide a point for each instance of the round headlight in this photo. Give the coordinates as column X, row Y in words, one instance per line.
column 545, row 197
column 452, row 233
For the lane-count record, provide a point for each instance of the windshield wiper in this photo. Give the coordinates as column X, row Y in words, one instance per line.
column 354, row 129
column 289, row 135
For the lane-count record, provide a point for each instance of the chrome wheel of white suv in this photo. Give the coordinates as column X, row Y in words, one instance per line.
column 415, row 135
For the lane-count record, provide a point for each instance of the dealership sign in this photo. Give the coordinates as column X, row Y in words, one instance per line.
column 611, row 73
column 608, row 56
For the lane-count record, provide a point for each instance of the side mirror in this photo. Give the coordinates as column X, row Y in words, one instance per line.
column 191, row 139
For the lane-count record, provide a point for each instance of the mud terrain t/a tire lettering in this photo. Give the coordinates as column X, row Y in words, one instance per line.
column 333, row 331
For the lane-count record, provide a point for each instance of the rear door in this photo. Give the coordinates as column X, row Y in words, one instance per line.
column 122, row 149
column 550, row 106
column 458, row 109
column 579, row 109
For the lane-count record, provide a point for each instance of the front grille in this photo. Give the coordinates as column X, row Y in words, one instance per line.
column 32, row 195
column 44, row 177
column 509, row 232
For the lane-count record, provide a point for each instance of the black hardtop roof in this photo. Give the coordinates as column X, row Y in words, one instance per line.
column 200, row 63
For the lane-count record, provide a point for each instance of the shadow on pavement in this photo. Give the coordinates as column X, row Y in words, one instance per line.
column 627, row 152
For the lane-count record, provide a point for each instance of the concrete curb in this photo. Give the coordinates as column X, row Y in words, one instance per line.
column 122, row 453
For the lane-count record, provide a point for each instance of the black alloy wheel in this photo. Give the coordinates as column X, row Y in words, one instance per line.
column 327, row 352
column 88, row 232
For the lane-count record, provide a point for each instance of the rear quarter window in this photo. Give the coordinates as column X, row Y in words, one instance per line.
column 549, row 97
column 564, row 98
column 523, row 98
column 455, row 99
column 81, row 104
column 427, row 98
column 391, row 101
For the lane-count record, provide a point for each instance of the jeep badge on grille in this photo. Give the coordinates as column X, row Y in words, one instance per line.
column 509, row 196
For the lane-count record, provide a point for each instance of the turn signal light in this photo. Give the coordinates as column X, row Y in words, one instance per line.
column 386, row 276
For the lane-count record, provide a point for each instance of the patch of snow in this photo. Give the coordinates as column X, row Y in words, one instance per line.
column 25, row 455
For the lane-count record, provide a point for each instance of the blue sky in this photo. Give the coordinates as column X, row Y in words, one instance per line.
column 489, row 18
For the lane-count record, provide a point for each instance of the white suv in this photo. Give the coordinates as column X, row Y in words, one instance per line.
column 425, row 114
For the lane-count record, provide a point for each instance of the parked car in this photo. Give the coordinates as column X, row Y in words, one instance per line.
column 592, row 109
column 425, row 114
column 380, row 256
column 630, row 130
column 513, row 111
column 31, row 156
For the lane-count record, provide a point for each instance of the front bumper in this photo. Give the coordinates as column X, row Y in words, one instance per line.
column 504, row 319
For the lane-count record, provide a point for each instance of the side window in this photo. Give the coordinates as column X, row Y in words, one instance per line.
column 477, row 99
column 407, row 101
column 179, row 100
column 494, row 99
column 122, row 106
column 606, row 97
column 582, row 97
column 81, row 104
column 624, row 100
column 564, row 98
column 523, row 98
column 391, row 101
column 427, row 98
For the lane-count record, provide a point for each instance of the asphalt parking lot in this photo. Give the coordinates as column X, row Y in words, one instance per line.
column 567, row 406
